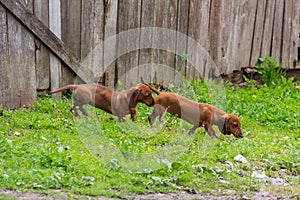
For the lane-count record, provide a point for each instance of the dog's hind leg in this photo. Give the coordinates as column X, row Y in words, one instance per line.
column 83, row 110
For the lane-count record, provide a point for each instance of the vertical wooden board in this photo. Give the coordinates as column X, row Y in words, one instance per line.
column 41, row 11
column 22, row 63
column 198, row 44
column 258, row 32
column 182, row 38
column 146, row 39
column 55, row 27
column 295, row 25
column 215, row 29
column 286, row 37
column 121, row 41
column 232, row 35
column 70, row 34
column 110, row 28
column 244, row 25
column 218, row 32
column 277, row 30
column 133, row 39
column 92, row 35
column 128, row 18
column 226, row 41
column 4, row 60
column 165, row 17
column 192, row 36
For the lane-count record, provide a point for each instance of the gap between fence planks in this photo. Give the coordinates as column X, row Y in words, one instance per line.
column 48, row 38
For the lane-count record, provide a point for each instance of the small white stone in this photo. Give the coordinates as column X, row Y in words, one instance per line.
column 241, row 159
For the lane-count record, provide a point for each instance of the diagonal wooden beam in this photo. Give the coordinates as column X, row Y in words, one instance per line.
column 42, row 32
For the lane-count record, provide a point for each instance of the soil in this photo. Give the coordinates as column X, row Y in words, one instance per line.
column 275, row 192
column 236, row 77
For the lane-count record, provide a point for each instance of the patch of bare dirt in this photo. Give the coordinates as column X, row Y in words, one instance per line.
column 275, row 193
column 236, row 77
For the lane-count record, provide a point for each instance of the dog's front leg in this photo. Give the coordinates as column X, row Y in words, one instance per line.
column 210, row 131
column 132, row 113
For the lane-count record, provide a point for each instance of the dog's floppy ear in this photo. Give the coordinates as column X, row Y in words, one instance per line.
column 133, row 97
column 224, row 128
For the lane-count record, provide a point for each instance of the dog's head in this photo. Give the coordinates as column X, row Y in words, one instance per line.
column 232, row 125
column 141, row 93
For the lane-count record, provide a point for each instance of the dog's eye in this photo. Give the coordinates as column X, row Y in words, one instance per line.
column 235, row 125
column 148, row 95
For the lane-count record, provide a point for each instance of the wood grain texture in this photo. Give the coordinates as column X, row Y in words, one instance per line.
column 129, row 16
column 48, row 38
column 146, row 40
column 70, row 12
column 110, row 40
column 295, row 34
column 41, row 12
column 199, row 45
column 182, row 38
column 4, row 61
column 287, row 25
column 277, row 31
column 55, row 27
column 91, row 35
column 258, row 32
column 244, row 26
column 21, row 64
column 165, row 16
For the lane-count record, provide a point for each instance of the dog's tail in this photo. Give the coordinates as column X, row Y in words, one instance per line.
column 67, row 87
column 152, row 88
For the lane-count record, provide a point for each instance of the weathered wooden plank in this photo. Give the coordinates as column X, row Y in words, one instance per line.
column 218, row 37
column 4, row 61
column 286, row 37
column 258, row 32
column 92, row 35
column 182, row 38
column 21, row 50
column 110, row 42
column 146, row 40
column 41, row 12
column 277, row 30
column 199, row 19
column 165, row 17
column 70, row 35
column 289, row 39
column 226, row 40
column 295, row 34
column 129, row 16
column 55, row 27
column 243, row 33
column 48, row 38
column 231, row 53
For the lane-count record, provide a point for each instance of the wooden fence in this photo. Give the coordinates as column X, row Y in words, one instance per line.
column 48, row 43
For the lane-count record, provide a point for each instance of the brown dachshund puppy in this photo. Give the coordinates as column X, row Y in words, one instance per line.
column 198, row 114
column 116, row 103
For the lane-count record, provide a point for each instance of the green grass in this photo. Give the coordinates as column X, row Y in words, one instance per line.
column 97, row 155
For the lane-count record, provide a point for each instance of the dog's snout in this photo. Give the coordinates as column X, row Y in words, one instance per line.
column 240, row 134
